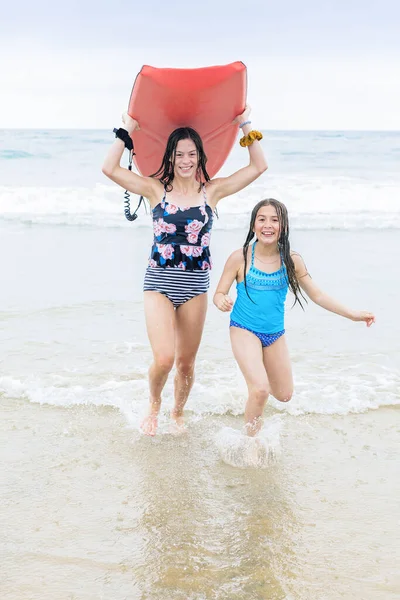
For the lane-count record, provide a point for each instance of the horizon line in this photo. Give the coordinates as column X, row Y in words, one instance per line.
column 308, row 130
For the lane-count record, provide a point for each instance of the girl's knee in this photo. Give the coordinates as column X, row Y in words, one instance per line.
column 185, row 366
column 260, row 394
column 164, row 362
column 284, row 396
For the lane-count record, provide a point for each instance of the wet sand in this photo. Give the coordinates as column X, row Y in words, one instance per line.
column 93, row 510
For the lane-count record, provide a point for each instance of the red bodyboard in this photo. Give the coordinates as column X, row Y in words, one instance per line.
column 207, row 99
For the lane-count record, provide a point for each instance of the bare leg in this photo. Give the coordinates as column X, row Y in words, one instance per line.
column 190, row 318
column 160, row 323
column 279, row 369
column 247, row 350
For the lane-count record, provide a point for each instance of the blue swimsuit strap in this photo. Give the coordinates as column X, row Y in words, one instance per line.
column 252, row 254
column 252, row 257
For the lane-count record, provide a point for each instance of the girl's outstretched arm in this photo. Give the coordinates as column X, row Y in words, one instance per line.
column 325, row 301
column 229, row 274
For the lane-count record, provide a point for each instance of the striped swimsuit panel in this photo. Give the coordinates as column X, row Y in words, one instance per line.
column 178, row 286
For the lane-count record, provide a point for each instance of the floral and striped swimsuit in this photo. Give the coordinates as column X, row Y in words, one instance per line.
column 180, row 263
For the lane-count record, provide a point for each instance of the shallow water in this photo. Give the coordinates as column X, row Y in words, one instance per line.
column 73, row 330
column 94, row 510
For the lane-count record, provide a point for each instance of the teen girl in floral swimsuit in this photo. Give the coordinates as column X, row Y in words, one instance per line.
column 182, row 198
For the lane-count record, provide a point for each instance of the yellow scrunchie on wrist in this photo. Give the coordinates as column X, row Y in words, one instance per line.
column 248, row 139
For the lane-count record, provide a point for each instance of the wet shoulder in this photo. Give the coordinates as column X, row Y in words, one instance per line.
column 235, row 263
column 236, row 257
column 299, row 263
column 210, row 189
column 157, row 192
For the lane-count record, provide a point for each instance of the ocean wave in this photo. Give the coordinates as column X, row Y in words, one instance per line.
column 316, row 203
column 298, row 153
column 320, row 394
column 17, row 154
column 334, row 135
column 103, row 141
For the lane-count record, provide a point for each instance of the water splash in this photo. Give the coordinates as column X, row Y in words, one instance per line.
column 239, row 450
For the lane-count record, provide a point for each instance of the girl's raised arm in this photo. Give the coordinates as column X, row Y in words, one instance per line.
column 225, row 186
column 143, row 186
column 322, row 299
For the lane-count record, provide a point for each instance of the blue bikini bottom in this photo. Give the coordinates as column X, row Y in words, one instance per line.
column 266, row 339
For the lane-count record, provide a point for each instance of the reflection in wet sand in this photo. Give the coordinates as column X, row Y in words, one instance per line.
column 212, row 531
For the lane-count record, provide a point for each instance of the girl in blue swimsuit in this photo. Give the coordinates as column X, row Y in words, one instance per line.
column 182, row 198
column 264, row 271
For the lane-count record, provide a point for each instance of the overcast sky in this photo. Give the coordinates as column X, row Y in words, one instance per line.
column 311, row 65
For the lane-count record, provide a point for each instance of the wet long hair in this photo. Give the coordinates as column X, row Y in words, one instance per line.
column 283, row 246
column 166, row 171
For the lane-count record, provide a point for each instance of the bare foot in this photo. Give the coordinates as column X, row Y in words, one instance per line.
column 179, row 421
column 254, row 426
column 149, row 425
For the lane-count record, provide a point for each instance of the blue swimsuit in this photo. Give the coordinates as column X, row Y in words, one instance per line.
column 264, row 313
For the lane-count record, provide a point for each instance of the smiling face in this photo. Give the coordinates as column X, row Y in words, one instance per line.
column 186, row 159
column 266, row 225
